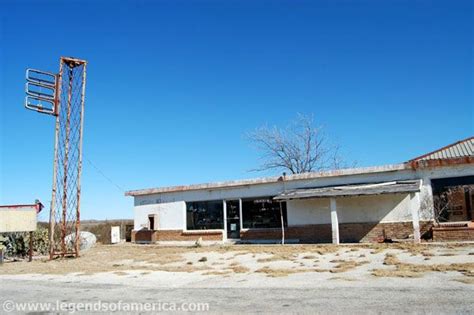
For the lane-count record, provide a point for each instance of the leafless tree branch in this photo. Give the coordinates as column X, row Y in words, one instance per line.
column 299, row 148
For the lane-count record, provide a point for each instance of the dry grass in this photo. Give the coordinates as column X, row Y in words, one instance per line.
column 277, row 257
column 165, row 259
column 343, row 278
column 278, row 272
column 237, row 268
column 391, row 259
column 84, row 274
column 447, row 254
column 283, row 272
column 416, row 270
column 395, row 273
column 347, row 265
column 411, row 248
column 466, row 280
column 147, row 258
column 217, row 273
column 105, row 258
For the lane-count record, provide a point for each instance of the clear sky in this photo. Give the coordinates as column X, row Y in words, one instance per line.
column 172, row 86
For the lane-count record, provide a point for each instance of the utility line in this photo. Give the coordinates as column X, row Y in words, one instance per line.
column 103, row 175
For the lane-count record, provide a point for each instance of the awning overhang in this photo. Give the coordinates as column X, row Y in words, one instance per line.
column 394, row 187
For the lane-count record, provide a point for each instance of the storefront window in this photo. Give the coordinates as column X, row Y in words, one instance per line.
column 262, row 213
column 205, row 215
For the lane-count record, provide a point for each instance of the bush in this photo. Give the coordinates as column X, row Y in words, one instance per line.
column 17, row 244
column 14, row 244
column 40, row 241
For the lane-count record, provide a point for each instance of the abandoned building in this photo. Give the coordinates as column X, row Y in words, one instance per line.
column 429, row 197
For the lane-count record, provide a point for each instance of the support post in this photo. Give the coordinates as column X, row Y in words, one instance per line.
column 282, row 225
column 241, row 219
column 415, row 214
column 224, row 205
column 52, row 214
column 30, row 251
column 77, row 227
column 334, row 221
column 65, row 170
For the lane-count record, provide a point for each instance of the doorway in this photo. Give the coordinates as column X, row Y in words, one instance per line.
column 233, row 219
column 151, row 222
column 453, row 199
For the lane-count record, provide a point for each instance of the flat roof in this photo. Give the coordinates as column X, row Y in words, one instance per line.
column 393, row 187
column 460, row 152
column 267, row 180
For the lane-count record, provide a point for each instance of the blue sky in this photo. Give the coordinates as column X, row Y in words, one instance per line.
column 173, row 86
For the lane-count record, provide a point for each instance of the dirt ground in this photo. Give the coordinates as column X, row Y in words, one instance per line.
column 349, row 262
column 264, row 279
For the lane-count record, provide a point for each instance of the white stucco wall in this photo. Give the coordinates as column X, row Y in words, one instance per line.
column 168, row 216
column 381, row 208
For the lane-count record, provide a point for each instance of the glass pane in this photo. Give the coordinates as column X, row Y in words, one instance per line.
column 233, row 219
column 205, row 215
column 262, row 213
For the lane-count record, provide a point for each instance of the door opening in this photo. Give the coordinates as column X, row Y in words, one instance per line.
column 233, row 219
column 151, row 222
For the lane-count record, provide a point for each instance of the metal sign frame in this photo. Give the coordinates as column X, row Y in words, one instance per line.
column 65, row 94
column 34, row 99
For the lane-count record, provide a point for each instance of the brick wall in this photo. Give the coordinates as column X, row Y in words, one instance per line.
column 179, row 235
column 142, row 236
column 374, row 231
column 348, row 232
column 443, row 234
column 317, row 233
column 147, row 236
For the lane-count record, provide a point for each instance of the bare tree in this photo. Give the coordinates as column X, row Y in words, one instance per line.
column 298, row 148
column 448, row 200
column 442, row 203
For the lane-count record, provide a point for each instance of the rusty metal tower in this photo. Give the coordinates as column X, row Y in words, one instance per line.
column 62, row 95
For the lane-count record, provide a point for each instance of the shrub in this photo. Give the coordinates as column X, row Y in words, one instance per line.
column 17, row 244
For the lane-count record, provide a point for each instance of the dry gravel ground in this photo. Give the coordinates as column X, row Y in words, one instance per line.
column 257, row 278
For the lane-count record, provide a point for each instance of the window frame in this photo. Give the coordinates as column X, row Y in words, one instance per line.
column 285, row 214
column 187, row 230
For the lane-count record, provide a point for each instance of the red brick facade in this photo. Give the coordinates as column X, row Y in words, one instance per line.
column 446, row 234
column 147, row 236
column 178, row 235
column 318, row 233
column 348, row 232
